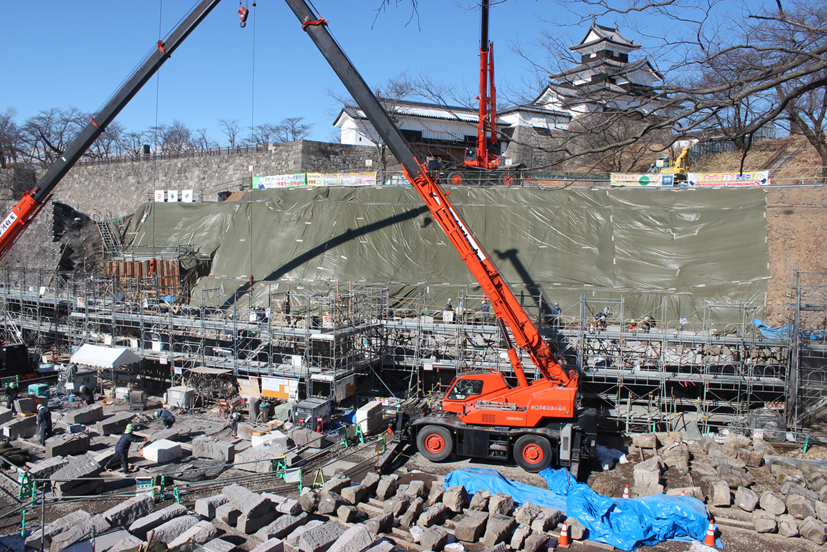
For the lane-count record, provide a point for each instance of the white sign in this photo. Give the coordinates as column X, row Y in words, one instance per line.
column 186, row 196
column 746, row 178
column 172, row 195
column 7, row 223
column 160, row 196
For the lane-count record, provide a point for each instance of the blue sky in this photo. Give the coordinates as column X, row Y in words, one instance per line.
column 70, row 53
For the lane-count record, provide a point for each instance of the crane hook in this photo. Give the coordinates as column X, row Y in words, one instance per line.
column 242, row 14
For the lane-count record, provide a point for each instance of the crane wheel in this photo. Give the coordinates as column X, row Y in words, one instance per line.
column 532, row 453
column 435, row 443
column 455, row 178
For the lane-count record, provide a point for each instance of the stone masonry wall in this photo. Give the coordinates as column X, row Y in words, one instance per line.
column 119, row 189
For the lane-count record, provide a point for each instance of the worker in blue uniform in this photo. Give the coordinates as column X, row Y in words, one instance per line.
column 122, row 448
column 167, row 418
column 44, row 422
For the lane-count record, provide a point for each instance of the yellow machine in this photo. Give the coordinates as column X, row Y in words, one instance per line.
column 678, row 167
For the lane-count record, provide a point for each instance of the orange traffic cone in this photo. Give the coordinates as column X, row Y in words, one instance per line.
column 563, row 541
column 710, row 534
column 626, row 492
column 683, row 492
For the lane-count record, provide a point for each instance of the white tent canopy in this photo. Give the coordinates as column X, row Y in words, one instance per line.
column 97, row 356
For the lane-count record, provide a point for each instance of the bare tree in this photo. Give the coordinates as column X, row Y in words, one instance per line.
column 174, row 138
column 109, row 143
column 132, row 143
column 46, row 135
column 265, row 133
column 293, row 129
column 231, row 129
column 10, row 143
column 201, row 140
column 588, row 135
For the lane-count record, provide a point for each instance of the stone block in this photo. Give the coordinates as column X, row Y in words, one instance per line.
column 498, row 529
column 128, row 542
column 321, row 538
column 162, row 451
column 764, row 522
column 787, row 526
column 800, row 507
column 813, row 530
column 25, row 405
column 21, row 428
column 303, row 437
column 272, row 439
column 370, row 482
column 329, row 503
column 282, row 527
column 336, row 483
column 434, row 538
column 86, row 415
column 746, row 499
column 521, row 533
column 347, row 514
column 355, row 539
column 218, row 545
column 249, row 503
column 44, row 468
column 821, row 511
column 200, row 533
column 249, row 524
column 645, row 440
column 380, row 524
column 501, row 504
column 6, row 415
column 206, row 506
column 735, row 477
column 412, row 514
column 129, row 511
column 386, row 487
column 283, row 505
column 472, row 526
column 291, row 541
column 354, row 494
column 228, row 513
column 479, row 501
column 141, row 527
column 455, row 498
column 546, row 520
column 773, row 503
column 370, row 410
column 417, row 488
column 115, row 424
column 536, row 542
column 693, row 492
column 382, row 546
column 720, row 495
column 246, row 431
column 172, row 529
column 271, row 545
column 67, row 445
column 526, row 513
column 792, row 487
column 207, row 447
column 258, row 459
column 55, row 528
column 434, row 515
column 435, row 495
column 309, row 500
column 576, row 529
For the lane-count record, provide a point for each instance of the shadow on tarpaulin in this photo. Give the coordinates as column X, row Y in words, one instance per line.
column 626, row 524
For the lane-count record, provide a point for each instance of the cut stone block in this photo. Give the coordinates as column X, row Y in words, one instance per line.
column 162, row 451
column 382, row 546
column 250, row 524
column 87, row 415
column 272, row 545
column 282, row 527
column 497, row 529
column 800, row 507
column 206, row 506
column 370, row 482
column 521, row 533
column 291, row 542
column 380, row 524
column 246, row 431
column 536, row 542
column 248, row 502
column 172, row 529
column 303, row 437
column 309, row 500
column 44, row 468
column 127, row 543
column 53, row 529
column 576, row 529
column 282, row 504
column 21, row 428
column 347, row 514
column 200, row 533
column 228, row 513
column 355, row 539
column 764, row 522
column 67, row 445
column 813, row 530
column 6, row 415
column 336, row 483
column 329, row 503
column 434, row 538
column 129, row 511
column 472, row 526
column 115, row 424
column 417, row 488
column 455, row 498
column 435, row 495
column 218, row 545
column 787, row 526
column 258, row 459
column 74, row 474
column 274, row 438
column 412, row 514
column 141, row 527
column 526, row 513
column 26, row 405
column 546, row 520
column 746, row 499
column 773, row 503
column 369, row 410
column 396, row 506
column 720, row 494
column 501, row 504
column 207, row 447
column 354, row 494
column 434, row 515
column 387, row 487
column 321, row 538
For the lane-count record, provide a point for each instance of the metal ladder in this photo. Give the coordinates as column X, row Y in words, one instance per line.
column 111, row 238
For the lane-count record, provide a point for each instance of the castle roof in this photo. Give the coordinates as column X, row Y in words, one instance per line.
column 598, row 33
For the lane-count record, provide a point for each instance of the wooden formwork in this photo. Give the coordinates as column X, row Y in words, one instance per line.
column 167, row 273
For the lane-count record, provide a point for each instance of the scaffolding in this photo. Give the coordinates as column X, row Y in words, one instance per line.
column 679, row 370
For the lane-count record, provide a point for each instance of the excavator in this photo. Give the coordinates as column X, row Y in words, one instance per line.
column 484, row 414
column 678, row 167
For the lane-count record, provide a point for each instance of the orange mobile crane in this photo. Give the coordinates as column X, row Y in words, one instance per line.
column 483, row 413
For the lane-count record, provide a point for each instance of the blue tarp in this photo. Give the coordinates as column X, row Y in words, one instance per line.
column 629, row 523
column 475, row 479
column 784, row 332
column 624, row 523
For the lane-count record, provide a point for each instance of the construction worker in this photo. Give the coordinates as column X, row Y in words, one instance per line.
column 11, row 396
column 556, row 311
column 87, row 395
column 485, row 308
column 122, row 448
column 236, row 421
column 449, row 306
column 166, row 416
column 44, row 422
column 652, row 169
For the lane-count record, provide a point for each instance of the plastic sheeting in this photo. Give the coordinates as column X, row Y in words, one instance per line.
column 629, row 523
column 784, row 332
column 485, row 479
column 693, row 245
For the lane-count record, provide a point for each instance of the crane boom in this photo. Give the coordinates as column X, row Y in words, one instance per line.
column 505, row 304
column 34, row 200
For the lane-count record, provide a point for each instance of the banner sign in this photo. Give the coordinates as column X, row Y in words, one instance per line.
column 367, row 179
column 348, row 179
column 651, row 180
column 314, row 179
column 160, row 195
column 279, row 181
column 747, row 178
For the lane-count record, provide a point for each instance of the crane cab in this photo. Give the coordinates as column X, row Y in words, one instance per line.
column 472, row 386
